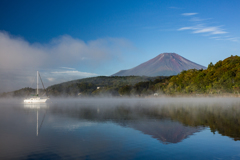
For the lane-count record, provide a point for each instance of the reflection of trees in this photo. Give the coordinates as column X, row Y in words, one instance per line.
column 225, row 120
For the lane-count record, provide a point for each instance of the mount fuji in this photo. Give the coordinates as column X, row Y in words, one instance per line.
column 165, row 64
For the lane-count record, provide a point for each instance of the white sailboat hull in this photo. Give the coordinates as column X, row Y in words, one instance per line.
column 35, row 100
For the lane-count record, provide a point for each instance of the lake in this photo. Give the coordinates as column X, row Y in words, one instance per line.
column 121, row 128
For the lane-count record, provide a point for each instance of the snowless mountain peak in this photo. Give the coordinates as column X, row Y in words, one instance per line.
column 164, row 64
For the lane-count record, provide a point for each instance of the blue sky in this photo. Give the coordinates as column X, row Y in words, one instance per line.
column 74, row 39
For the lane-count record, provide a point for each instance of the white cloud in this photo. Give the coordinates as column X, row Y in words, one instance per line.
column 19, row 59
column 214, row 32
column 185, row 28
column 50, row 79
column 59, row 76
column 233, row 39
column 67, row 68
column 189, row 14
column 63, row 50
column 211, row 30
column 202, row 29
column 77, row 73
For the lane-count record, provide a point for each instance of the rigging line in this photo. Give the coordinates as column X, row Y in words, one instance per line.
column 42, row 83
column 42, row 122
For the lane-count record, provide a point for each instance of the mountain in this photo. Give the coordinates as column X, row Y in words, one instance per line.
column 164, row 64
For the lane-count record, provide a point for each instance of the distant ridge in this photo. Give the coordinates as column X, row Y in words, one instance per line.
column 164, row 64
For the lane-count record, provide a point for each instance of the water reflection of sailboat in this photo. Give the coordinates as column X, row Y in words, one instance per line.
column 37, row 106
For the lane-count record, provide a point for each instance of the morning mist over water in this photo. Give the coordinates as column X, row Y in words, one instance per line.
column 121, row 128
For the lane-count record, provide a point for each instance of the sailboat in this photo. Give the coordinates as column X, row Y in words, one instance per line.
column 37, row 99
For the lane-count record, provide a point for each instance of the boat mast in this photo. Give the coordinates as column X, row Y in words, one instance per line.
column 37, row 83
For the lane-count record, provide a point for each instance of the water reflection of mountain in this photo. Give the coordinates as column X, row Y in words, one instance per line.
column 174, row 122
column 166, row 131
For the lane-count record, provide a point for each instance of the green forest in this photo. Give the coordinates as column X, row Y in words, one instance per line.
column 223, row 77
column 220, row 78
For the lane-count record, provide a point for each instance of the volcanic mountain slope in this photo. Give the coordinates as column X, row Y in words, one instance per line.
column 164, row 64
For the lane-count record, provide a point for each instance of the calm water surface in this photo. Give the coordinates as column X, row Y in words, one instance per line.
column 165, row 128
